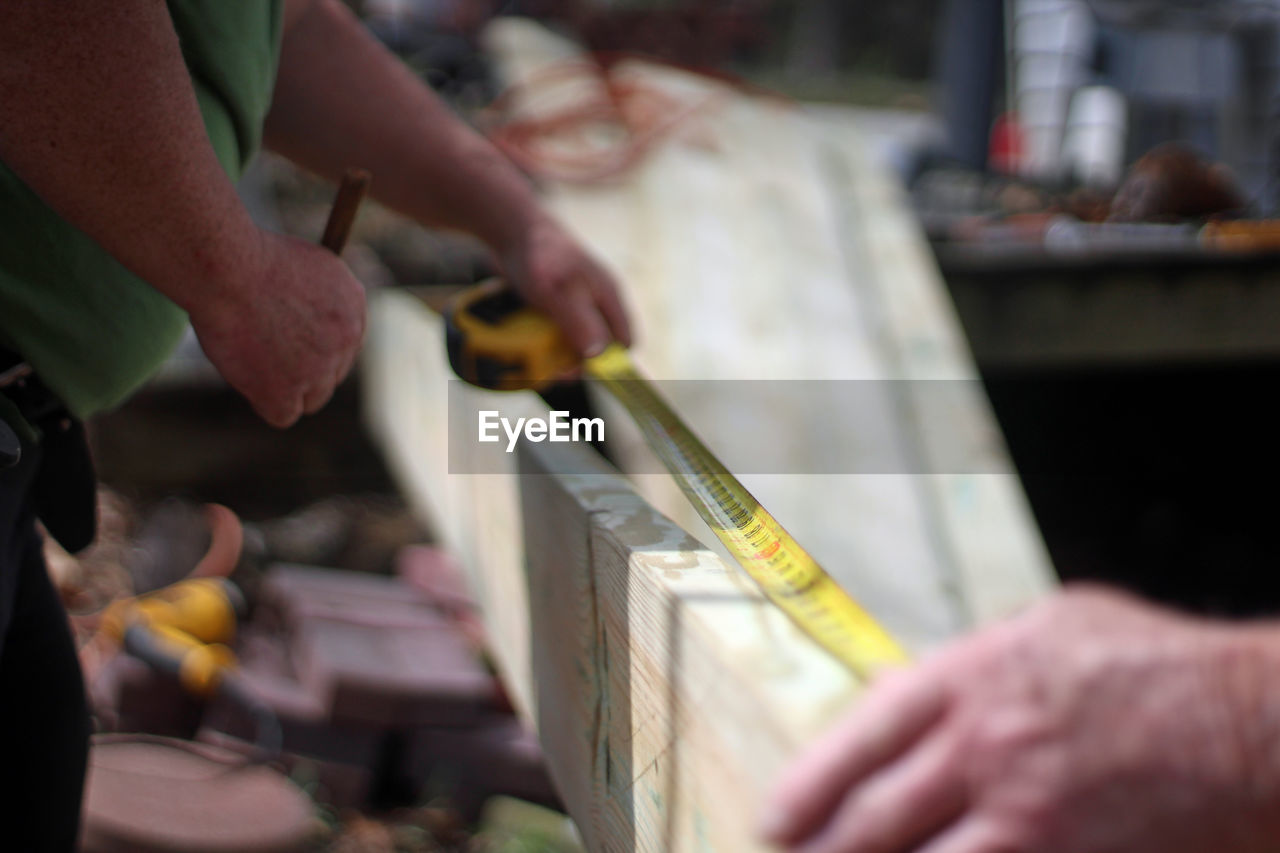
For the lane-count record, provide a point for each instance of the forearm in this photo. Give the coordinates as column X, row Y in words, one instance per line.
column 100, row 120
column 342, row 100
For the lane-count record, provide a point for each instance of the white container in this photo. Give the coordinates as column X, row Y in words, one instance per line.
column 1093, row 146
column 1061, row 27
column 1043, row 107
column 1042, row 117
column 1052, row 41
column 1046, row 69
column 1042, row 152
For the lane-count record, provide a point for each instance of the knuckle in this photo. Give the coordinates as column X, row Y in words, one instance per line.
column 280, row 418
column 861, row 830
column 1007, row 733
column 600, row 281
column 542, row 290
column 1011, row 836
column 344, row 333
column 546, row 260
column 351, row 338
column 1030, row 821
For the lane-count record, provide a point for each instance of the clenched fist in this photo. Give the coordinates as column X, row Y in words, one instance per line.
column 287, row 330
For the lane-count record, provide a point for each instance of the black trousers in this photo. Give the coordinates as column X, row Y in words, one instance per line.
column 44, row 721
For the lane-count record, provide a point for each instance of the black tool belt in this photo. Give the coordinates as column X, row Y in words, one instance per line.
column 64, row 490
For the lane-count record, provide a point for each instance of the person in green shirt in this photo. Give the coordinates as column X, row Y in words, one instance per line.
column 122, row 127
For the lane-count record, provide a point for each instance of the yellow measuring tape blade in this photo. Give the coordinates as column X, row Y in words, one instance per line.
column 784, row 571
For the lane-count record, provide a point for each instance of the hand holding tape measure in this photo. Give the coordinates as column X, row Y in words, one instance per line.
column 496, row 341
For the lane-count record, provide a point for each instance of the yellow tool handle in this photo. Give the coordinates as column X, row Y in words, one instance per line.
column 198, row 666
column 204, row 608
column 784, row 571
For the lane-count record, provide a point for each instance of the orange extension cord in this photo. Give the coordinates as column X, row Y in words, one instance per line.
column 555, row 146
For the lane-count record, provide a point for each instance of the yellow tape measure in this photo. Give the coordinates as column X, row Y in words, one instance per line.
column 495, row 341
column 784, row 571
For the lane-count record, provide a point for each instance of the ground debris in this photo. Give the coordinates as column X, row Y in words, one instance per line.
column 428, row 829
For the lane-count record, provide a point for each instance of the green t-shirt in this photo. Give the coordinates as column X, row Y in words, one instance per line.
column 92, row 330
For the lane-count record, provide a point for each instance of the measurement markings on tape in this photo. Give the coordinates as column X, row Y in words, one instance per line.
column 785, row 572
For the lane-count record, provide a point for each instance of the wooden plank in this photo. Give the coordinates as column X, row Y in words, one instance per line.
column 680, row 688
column 666, row 692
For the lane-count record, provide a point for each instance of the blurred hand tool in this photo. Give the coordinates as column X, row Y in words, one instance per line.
column 184, row 630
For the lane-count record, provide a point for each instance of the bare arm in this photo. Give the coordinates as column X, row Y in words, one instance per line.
column 342, row 100
column 98, row 117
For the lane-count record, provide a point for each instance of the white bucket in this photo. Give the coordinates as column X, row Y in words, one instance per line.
column 1041, row 152
column 1093, row 147
column 1060, row 27
column 1043, row 107
column 1046, row 69
column 1052, row 41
